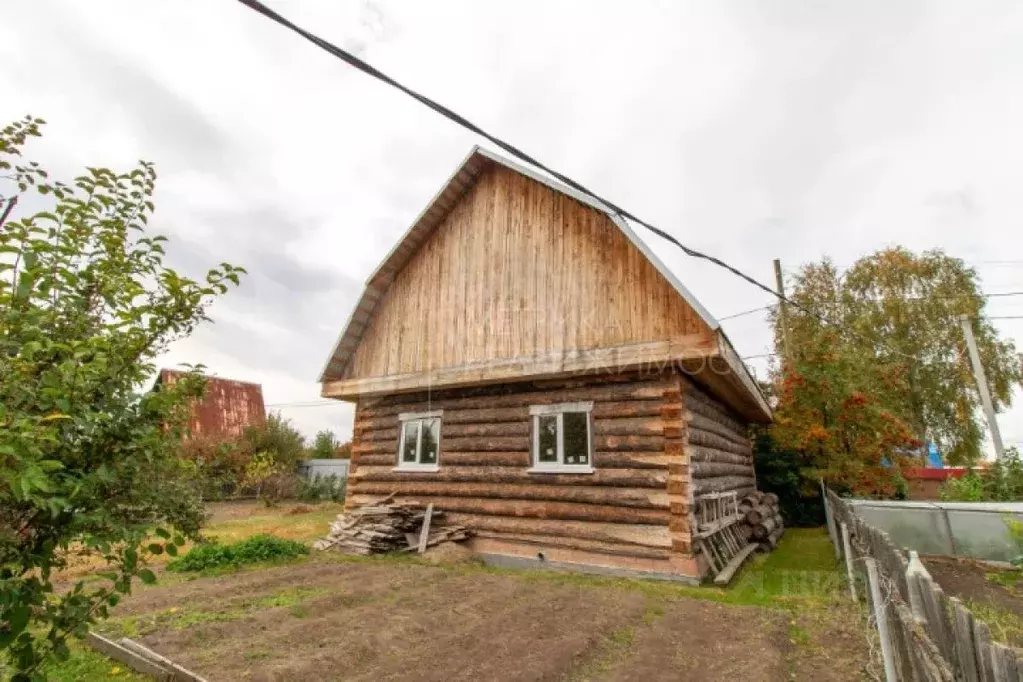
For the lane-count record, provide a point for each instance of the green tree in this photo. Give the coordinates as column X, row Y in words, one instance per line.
column 277, row 436
column 325, row 445
column 896, row 315
column 88, row 461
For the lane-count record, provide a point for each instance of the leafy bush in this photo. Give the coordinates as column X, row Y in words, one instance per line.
column 276, row 436
column 325, row 445
column 88, row 463
column 1002, row 482
column 787, row 474
column 250, row 551
column 319, row 488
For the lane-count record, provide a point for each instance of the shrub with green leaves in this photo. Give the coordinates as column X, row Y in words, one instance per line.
column 258, row 548
column 1001, row 482
column 322, row 488
column 87, row 456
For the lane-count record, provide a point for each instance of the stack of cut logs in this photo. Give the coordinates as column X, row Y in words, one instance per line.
column 389, row 527
column 762, row 520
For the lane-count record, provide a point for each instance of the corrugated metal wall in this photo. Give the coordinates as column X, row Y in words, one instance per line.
column 227, row 408
column 313, row 468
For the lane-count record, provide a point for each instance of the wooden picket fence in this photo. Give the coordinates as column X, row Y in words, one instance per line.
column 931, row 637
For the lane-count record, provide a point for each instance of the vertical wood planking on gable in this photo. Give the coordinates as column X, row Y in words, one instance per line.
column 515, row 270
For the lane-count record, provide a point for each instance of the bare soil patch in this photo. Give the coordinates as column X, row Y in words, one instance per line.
column 697, row 640
column 330, row 618
column 976, row 582
column 994, row 594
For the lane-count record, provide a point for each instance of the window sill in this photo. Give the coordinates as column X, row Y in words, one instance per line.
column 429, row 469
column 561, row 470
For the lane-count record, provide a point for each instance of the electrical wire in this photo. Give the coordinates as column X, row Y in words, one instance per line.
column 515, row 151
column 308, row 403
column 746, row 312
column 905, row 298
column 453, row 116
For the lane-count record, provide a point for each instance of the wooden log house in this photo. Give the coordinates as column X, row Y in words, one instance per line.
column 525, row 362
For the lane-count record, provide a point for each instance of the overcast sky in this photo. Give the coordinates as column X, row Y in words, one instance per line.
column 752, row 130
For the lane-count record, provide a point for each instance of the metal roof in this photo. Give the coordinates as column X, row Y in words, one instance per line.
column 430, row 219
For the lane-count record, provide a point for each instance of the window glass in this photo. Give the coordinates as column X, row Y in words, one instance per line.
column 431, row 439
column 408, row 451
column 576, row 437
column 547, row 439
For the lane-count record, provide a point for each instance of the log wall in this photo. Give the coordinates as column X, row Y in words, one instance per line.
column 632, row 512
column 718, row 447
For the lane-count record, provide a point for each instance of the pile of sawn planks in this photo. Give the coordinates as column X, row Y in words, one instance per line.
column 762, row 520
column 389, row 526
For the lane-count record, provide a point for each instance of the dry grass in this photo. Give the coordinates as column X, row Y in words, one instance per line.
column 230, row 522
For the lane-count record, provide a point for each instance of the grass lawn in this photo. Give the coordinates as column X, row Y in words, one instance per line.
column 278, row 622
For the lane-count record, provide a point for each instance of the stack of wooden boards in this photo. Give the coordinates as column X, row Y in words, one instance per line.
column 762, row 522
column 389, row 526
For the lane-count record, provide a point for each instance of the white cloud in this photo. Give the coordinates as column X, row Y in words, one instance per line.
column 749, row 130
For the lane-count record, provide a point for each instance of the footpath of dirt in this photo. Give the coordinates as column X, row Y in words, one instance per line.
column 396, row 620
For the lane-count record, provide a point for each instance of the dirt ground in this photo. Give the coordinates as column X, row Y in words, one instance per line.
column 994, row 594
column 386, row 619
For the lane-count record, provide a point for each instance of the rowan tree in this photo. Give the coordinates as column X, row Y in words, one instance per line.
column 895, row 316
column 88, row 463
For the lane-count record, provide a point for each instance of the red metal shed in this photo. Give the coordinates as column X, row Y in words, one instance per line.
column 228, row 407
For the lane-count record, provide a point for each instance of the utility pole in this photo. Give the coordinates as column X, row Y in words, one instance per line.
column 784, row 310
column 985, row 395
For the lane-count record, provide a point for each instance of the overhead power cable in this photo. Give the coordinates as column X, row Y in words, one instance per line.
column 746, row 312
column 455, row 117
column 907, row 298
column 307, row 403
column 515, row 151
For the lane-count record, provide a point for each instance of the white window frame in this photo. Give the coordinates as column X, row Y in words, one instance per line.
column 418, row 417
column 560, row 467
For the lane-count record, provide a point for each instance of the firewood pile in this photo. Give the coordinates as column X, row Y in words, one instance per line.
column 389, row 526
column 762, row 520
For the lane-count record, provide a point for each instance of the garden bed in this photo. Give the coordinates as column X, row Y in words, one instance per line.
column 993, row 593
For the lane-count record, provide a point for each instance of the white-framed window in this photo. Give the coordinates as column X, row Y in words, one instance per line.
column 419, row 441
column 562, row 438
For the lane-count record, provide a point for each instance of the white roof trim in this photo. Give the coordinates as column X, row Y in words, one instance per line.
column 422, row 228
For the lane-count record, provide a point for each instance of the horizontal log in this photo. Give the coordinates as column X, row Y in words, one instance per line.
column 712, row 410
column 629, row 443
column 391, row 433
column 635, row 390
column 771, row 499
column 494, row 415
column 626, row 534
column 506, row 443
column 697, row 422
column 568, row 511
column 625, row 478
column 640, row 498
column 720, row 484
column 706, row 438
column 608, row 460
column 542, row 541
column 699, row 453
column 630, row 426
column 709, row 469
column 739, row 492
